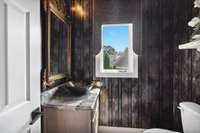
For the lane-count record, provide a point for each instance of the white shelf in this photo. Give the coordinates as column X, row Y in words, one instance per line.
column 191, row 45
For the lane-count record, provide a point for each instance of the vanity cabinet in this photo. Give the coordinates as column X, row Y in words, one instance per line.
column 61, row 120
column 82, row 116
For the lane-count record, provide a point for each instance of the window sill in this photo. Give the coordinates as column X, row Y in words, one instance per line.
column 117, row 75
column 133, row 73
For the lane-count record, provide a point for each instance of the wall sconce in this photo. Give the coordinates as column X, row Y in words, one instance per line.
column 78, row 9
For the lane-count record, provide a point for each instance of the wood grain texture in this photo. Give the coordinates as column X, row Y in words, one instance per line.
column 167, row 76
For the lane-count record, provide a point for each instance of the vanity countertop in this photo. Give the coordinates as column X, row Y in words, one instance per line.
column 86, row 101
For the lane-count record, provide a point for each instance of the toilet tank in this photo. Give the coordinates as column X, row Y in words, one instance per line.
column 190, row 115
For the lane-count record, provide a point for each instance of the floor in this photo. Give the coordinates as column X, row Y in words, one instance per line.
column 103, row 129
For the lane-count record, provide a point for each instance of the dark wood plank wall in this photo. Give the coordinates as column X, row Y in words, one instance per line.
column 82, row 48
column 120, row 104
column 167, row 75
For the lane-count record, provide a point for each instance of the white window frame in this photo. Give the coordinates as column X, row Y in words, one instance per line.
column 132, row 71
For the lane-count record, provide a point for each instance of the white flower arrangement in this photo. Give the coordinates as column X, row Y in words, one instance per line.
column 195, row 25
column 195, row 22
column 197, row 3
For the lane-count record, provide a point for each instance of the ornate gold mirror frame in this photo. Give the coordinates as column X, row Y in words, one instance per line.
column 57, row 8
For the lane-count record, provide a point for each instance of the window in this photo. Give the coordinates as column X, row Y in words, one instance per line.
column 116, row 58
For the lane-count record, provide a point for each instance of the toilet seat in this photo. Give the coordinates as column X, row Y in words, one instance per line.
column 157, row 130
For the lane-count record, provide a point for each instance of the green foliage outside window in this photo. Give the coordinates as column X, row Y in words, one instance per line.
column 107, row 63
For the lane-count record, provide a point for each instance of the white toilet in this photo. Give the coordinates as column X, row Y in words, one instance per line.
column 190, row 114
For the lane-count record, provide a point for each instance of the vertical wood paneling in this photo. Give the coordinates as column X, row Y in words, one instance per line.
column 120, row 102
column 177, row 70
column 144, row 88
column 109, row 101
column 134, row 109
column 104, row 105
column 167, row 82
column 82, row 64
column 115, row 103
column 125, row 103
column 196, row 77
column 167, row 76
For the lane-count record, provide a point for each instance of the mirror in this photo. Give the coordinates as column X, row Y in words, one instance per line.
column 58, row 47
column 58, row 36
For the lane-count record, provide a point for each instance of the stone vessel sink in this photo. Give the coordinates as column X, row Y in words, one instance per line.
column 73, row 91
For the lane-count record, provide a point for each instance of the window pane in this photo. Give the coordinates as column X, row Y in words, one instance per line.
column 115, row 47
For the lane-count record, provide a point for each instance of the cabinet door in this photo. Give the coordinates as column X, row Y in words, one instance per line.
column 67, row 120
